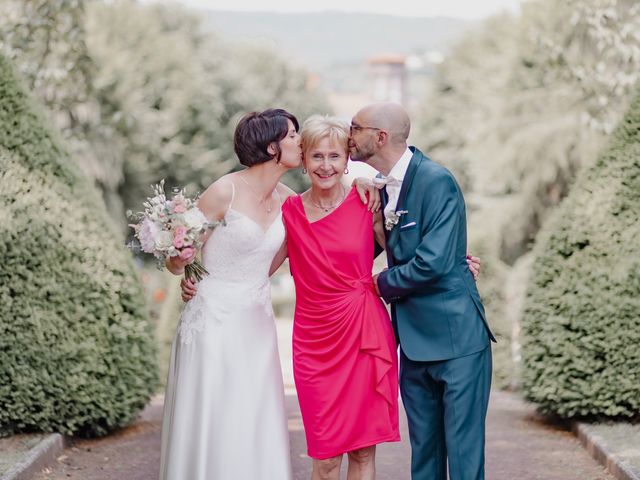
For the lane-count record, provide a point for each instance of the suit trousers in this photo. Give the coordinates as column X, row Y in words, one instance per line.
column 446, row 404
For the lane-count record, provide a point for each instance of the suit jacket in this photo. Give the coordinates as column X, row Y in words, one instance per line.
column 435, row 305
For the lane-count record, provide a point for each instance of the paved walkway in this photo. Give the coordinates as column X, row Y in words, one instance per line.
column 519, row 446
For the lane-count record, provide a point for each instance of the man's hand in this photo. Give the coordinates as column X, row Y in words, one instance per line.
column 189, row 289
column 375, row 284
column 365, row 186
column 474, row 266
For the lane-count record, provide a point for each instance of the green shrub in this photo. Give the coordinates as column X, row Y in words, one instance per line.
column 582, row 316
column 76, row 349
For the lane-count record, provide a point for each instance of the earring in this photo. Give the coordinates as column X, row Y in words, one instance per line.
column 346, row 170
column 304, row 170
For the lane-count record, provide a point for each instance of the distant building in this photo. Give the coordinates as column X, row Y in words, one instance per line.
column 385, row 80
column 388, row 78
column 384, row 77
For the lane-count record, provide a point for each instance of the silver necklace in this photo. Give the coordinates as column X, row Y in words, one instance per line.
column 260, row 199
column 327, row 208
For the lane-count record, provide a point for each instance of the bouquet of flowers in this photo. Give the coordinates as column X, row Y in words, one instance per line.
column 170, row 228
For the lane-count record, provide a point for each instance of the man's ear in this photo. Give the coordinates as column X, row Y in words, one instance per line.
column 383, row 137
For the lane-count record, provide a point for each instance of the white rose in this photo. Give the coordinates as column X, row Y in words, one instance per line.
column 194, row 218
column 164, row 240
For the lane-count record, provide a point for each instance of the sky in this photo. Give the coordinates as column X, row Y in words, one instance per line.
column 467, row 9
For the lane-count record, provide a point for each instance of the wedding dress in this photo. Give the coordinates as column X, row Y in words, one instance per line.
column 224, row 415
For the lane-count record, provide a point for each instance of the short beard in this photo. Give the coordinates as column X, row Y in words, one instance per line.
column 361, row 156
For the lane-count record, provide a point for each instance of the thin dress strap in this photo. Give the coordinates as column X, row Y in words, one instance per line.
column 279, row 198
column 233, row 195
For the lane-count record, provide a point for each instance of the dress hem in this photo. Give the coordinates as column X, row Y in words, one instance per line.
column 342, row 451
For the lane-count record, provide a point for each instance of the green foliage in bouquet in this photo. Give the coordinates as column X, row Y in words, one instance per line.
column 582, row 317
column 76, row 349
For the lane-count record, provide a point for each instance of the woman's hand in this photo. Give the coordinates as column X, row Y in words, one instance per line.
column 189, row 289
column 364, row 186
column 176, row 264
column 474, row 266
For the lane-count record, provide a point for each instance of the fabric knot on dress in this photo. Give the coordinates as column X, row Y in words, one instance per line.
column 363, row 283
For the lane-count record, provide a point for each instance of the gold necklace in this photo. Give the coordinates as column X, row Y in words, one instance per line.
column 328, row 207
column 260, row 199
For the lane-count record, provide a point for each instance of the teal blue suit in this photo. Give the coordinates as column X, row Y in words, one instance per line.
column 439, row 319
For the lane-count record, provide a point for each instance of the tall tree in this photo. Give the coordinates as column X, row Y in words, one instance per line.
column 581, row 320
column 142, row 92
column 520, row 106
column 77, row 353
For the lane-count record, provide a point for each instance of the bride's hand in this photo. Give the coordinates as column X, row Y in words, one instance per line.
column 364, row 186
column 474, row 265
column 176, row 264
column 189, row 289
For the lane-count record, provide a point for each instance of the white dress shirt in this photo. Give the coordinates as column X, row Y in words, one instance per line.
column 394, row 181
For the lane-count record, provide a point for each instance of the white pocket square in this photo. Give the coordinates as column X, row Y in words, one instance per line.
column 410, row 224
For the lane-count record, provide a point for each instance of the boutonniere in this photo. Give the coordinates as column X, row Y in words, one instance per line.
column 393, row 219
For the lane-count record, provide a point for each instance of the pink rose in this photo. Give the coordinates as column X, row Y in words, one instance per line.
column 178, row 242
column 186, row 253
column 180, row 231
column 179, row 208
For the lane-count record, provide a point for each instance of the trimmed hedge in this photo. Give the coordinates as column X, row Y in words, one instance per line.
column 77, row 353
column 581, row 350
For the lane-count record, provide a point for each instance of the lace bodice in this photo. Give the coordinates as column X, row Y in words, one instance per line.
column 241, row 251
column 238, row 256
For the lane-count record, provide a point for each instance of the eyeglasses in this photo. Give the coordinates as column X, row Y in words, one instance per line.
column 358, row 128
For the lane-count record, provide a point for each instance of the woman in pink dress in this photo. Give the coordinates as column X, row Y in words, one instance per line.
column 344, row 350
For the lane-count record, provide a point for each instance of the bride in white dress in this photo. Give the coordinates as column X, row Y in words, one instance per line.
column 224, row 414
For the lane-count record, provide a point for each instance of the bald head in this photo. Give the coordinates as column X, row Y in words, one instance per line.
column 388, row 116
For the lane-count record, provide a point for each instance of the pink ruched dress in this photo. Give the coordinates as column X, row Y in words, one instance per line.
column 344, row 350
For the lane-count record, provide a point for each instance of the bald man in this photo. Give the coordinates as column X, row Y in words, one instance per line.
column 437, row 314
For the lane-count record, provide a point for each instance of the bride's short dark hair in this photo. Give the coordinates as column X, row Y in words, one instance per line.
column 256, row 130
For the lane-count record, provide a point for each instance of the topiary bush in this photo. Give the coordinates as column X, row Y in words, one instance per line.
column 581, row 326
column 77, row 354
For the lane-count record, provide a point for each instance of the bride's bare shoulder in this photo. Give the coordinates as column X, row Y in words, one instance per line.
column 216, row 199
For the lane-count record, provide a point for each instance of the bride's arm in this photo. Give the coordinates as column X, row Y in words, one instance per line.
column 279, row 258
column 365, row 187
column 213, row 203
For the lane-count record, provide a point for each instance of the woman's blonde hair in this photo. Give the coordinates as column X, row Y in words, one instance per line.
column 318, row 127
